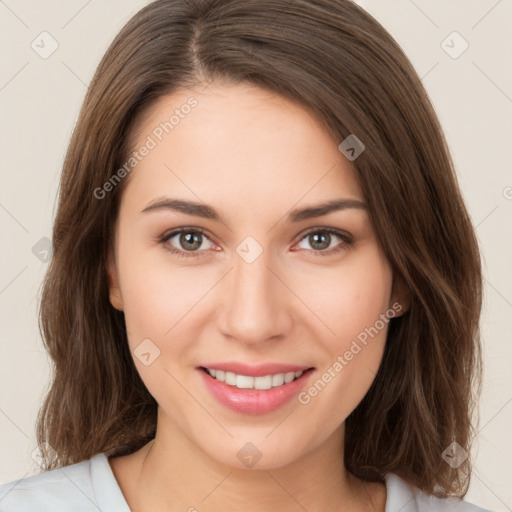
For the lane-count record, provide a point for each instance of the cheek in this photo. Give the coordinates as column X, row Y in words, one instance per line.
column 160, row 302
column 157, row 300
column 156, row 295
column 351, row 304
column 349, row 299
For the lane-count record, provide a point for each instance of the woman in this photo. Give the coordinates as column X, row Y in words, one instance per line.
column 265, row 288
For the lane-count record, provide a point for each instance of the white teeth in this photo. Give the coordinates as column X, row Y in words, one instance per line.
column 263, row 382
column 244, row 382
column 230, row 379
column 248, row 382
column 288, row 377
column 277, row 380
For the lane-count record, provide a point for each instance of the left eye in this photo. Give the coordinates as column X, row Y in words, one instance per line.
column 321, row 239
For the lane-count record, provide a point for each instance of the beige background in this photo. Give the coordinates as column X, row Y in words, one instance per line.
column 39, row 103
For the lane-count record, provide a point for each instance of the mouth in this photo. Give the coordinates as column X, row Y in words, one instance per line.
column 254, row 390
column 262, row 383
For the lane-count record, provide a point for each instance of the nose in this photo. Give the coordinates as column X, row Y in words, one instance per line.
column 257, row 304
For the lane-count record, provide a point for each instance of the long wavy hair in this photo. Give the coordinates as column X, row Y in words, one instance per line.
column 337, row 61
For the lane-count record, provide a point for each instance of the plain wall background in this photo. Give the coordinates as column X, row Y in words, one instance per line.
column 39, row 104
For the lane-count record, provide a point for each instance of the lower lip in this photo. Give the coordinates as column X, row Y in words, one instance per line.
column 254, row 401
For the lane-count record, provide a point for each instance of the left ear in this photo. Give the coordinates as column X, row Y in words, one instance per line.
column 115, row 296
column 400, row 295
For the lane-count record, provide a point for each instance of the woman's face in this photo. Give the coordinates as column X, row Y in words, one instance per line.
column 260, row 283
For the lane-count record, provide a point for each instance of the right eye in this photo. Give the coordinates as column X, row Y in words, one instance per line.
column 187, row 242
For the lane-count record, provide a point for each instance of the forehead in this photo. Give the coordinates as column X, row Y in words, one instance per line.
column 237, row 141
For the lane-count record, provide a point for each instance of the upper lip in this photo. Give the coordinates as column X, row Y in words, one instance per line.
column 258, row 370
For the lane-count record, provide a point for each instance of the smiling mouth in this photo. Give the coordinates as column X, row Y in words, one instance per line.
column 248, row 382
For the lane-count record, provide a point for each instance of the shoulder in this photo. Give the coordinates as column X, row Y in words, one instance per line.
column 407, row 498
column 49, row 490
column 87, row 485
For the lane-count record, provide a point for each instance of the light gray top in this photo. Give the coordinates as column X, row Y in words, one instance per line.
column 90, row 486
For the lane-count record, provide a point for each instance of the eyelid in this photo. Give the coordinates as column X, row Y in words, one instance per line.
column 325, row 229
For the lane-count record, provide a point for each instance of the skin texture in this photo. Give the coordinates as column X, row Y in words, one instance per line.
column 253, row 156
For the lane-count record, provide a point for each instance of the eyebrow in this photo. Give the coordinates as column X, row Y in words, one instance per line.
column 208, row 212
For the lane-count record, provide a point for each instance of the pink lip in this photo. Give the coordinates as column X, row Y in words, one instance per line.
column 254, row 401
column 259, row 370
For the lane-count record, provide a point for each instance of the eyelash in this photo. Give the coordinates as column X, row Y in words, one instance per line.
column 344, row 245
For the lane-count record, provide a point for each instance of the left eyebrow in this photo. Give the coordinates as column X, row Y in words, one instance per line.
column 311, row 212
column 208, row 212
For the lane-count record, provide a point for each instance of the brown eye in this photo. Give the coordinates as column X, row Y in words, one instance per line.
column 190, row 240
column 186, row 242
column 321, row 241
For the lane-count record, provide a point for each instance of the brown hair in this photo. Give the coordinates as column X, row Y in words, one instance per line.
column 336, row 60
